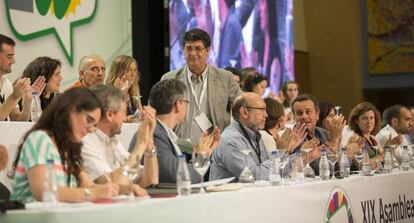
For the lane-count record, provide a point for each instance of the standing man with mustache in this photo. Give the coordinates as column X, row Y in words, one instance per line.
column 212, row 90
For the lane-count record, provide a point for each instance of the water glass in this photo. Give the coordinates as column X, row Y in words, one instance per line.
column 201, row 163
column 246, row 176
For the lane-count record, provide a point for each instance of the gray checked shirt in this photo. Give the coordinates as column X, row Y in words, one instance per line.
column 228, row 159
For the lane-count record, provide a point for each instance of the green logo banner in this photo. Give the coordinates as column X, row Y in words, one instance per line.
column 30, row 19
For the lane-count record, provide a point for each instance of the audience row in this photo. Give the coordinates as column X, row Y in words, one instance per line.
column 196, row 108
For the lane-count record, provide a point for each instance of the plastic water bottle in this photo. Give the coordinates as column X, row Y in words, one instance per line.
column 344, row 167
column 274, row 175
column 405, row 159
column 50, row 184
column 183, row 177
column 324, row 166
column 387, row 160
column 366, row 164
column 36, row 108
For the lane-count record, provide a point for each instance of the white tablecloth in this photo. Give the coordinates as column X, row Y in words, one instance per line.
column 349, row 199
column 12, row 132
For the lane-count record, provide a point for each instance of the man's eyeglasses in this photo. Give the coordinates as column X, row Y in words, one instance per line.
column 189, row 49
column 92, row 123
column 262, row 109
column 184, row 100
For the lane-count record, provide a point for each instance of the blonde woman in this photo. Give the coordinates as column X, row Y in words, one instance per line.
column 124, row 74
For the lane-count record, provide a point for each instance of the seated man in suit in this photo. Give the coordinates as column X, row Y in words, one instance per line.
column 170, row 99
column 305, row 109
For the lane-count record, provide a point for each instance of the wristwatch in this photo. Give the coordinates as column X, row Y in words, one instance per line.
column 88, row 192
column 151, row 152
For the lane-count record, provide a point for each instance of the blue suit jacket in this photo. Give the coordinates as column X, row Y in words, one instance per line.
column 167, row 157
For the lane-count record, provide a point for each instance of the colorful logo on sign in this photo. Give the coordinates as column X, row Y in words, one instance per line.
column 30, row 19
column 338, row 207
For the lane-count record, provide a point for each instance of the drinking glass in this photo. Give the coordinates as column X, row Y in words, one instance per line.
column 359, row 156
column 332, row 159
column 308, row 171
column 246, row 176
column 283, row 161
column 337, row 110
column 201, row 162
column 297, row 168
column 133, row 173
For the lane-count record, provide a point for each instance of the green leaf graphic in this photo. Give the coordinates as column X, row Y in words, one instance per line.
column 60, row 7
column 43, row 6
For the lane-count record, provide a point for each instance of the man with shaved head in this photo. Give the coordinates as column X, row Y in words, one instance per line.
column 249, row 114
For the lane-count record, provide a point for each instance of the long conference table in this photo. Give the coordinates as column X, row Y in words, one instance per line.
column 12, row 132
column 380, row 198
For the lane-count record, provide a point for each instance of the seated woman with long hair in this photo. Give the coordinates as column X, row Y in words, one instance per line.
column 57, row 135
column 124, row 74
column 50, row 69
column 334, row 124
column 365, row 121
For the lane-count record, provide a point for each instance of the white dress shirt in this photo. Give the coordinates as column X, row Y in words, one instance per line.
column 173, row 137
column 102, row 154
column 383, row 136
column 6, row 89
column 268, row 141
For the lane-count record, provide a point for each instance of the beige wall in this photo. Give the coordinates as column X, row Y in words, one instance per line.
column 299, row 26
column 333, row 45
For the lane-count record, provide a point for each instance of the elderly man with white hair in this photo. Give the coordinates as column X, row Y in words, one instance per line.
column 91, row 71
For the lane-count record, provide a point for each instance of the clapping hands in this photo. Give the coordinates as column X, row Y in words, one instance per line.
column 123, row 83
column 208, row 142
column 355, row 143
column 21, row 87
column 336, row 127
column 315, row 152
column 394, row 141
column 291, row 138
column 39, row 85
column 146, row 130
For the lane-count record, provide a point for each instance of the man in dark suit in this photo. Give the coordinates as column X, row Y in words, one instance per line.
column 170, row 99
column 212, row 90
